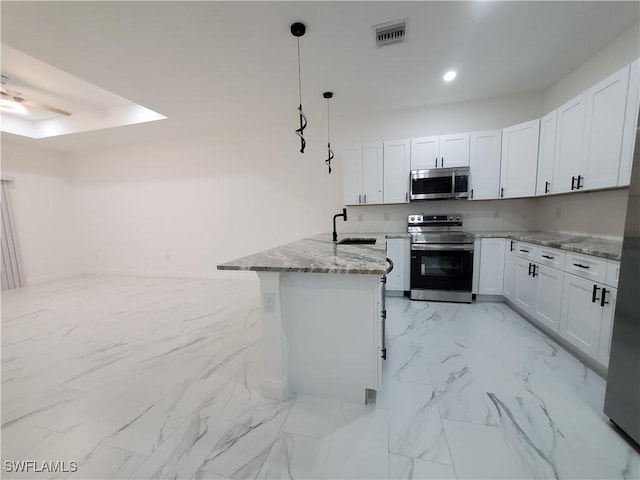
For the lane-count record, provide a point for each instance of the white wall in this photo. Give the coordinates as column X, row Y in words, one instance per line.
column 44, row 211
column 180, row 207
column 620, row 52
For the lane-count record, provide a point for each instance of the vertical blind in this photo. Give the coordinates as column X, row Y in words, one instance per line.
column 11, row 263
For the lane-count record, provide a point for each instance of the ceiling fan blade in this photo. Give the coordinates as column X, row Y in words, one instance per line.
column 42, row 106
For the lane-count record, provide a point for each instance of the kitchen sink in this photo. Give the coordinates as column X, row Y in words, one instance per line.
column 357, row 241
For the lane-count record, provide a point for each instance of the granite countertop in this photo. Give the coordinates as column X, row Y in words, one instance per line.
column 596, row 246
column 318, row 254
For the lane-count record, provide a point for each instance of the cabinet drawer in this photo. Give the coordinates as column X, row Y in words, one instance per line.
column 550, row 256
column 613, row 270
column 586, row 266
column 525, row 250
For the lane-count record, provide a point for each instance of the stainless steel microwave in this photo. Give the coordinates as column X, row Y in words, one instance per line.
column 437, row 183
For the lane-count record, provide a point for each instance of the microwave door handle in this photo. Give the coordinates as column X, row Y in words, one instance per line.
column 453, row 183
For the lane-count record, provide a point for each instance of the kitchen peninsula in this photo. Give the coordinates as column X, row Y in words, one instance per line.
column 322, row 316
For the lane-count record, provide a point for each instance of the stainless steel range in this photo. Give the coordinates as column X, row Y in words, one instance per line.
column 441, row 258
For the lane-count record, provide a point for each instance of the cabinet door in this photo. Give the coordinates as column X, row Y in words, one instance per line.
column 526, row 288
column 491, row 266
column 519, row 164
column 397, row 158
column 396, row 253
column 454, row 150
column 549, row 296
column 581, row 316
column 630, row 124
column 372, row 169
column 569, row 144
column 546, row 153
column 606, row 328
column 425, row 153
column 484, row 163
column 509, row 276
column 352, row 175
column 606, row 104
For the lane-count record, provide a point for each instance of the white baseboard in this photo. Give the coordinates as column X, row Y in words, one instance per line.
column 29, row 281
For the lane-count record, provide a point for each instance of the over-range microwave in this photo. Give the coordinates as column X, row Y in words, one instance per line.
column 437, row 183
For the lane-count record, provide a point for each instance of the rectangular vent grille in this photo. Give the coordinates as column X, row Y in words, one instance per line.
column 390, row 33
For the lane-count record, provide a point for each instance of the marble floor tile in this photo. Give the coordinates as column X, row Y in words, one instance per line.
column 408, row 468
column 296, row 456
column 161, row 378
column 479, row 451
column 313, row 417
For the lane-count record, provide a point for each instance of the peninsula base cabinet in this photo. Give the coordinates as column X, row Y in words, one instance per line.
column 587, row 316
column 490, row 279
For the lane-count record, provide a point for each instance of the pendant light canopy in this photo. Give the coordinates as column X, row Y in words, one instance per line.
column 330, row 155
column 297, row 30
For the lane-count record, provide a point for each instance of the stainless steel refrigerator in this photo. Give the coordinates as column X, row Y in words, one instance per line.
column 622, row 399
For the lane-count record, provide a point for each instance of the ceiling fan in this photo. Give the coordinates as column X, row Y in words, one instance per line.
column 14, row 102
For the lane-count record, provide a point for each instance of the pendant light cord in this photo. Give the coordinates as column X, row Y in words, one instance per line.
column 299, row 74
column 330, row 154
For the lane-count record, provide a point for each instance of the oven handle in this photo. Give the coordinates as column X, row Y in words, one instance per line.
column 442, row 247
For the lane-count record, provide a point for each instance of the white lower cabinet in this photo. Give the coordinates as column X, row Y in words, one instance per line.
column 583, row 313
column 604, row 346
column 398, row 253
column 526, row 286
column 491, row 266
column 509, row 276
column 549, row 296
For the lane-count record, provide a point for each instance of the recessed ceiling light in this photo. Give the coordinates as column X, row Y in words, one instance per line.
column 450, row 75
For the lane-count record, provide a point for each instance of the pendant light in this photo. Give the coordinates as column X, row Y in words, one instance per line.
column 298, row 30
column 330, row 155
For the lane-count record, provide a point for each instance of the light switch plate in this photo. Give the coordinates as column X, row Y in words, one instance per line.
column 269, row 302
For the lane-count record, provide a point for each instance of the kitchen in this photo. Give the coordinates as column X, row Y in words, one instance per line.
column 127, row 202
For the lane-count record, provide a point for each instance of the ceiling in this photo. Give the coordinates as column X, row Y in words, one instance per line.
column 214, row 66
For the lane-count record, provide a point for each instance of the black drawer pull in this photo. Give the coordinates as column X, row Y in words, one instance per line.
column 580, row 178
column 573, row 183
column 595, row 292
column 580, row 265
column 530, row 265
column 602, row 301
column 534, row 274
column 546, row 187
column 511, row 246
column 523, row 250
column 548, row 257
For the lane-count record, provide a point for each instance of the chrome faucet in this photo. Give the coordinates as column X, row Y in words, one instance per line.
column 344, row 215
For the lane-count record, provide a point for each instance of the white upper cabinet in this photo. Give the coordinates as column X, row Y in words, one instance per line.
column 425, row 153
column 397, row 157
column 519, row 163
column 437, row 152
column 352, row 174
column 372, row 173
column 567, row 166
column 484, row 162
column 454, row 150
column 546, row 153
column 606, row 105
column 630, row 124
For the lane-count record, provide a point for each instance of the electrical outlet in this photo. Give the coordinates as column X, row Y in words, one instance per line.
column 269, row 302
column 360, row 216
column 496, row 213
column 558, row 212
column 387, row 217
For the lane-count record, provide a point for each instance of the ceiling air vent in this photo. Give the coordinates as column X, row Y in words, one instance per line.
column 390, row 33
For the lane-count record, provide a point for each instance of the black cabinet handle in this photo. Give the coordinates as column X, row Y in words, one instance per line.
column 580, row 265
column 472, row 193
column 436, row 162
column 390, row 262
column 501, row 192
column 595, row 292
column 523, row 250
column 530, row 265
column 573, row 183
column 580, row 177
column 602, row 301
column 546, row 187
column 442, row 161
column 548, row 257
column 511, row 246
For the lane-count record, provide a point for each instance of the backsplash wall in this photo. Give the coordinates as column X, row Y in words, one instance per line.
column 492, row 215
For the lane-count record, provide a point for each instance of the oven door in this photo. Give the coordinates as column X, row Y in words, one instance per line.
column 442, row 267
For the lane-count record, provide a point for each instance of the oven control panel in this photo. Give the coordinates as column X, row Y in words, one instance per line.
column 435, row 219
